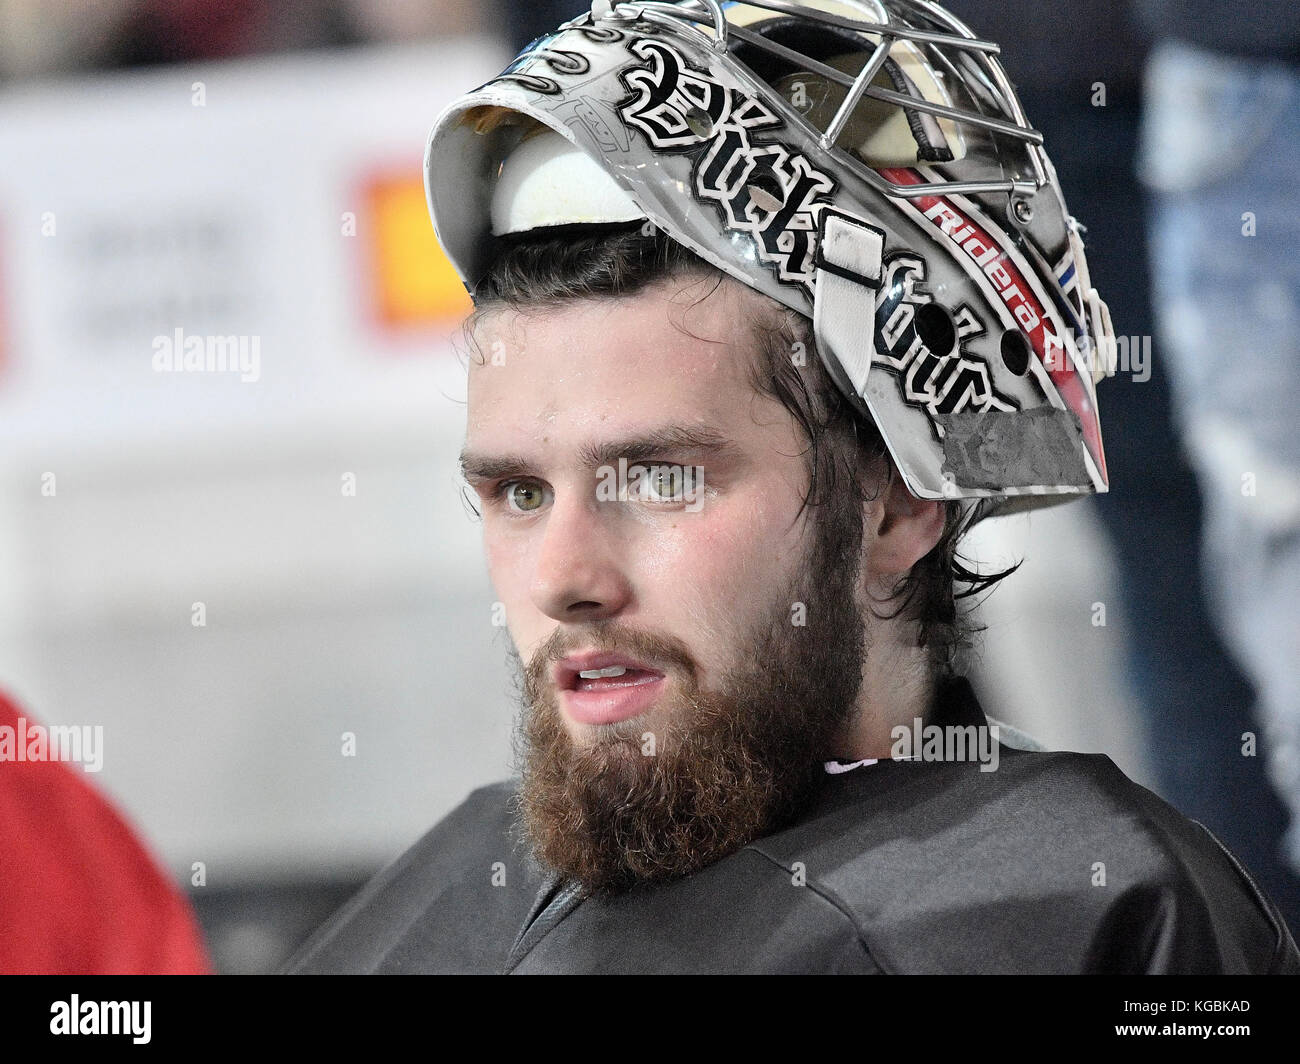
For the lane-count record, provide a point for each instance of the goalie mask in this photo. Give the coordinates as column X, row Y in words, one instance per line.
column 863, row 162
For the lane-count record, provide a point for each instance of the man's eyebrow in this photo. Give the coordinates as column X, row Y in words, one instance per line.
column 671, row 438
column 480, row 467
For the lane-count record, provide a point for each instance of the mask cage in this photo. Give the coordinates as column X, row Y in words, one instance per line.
column 947, row 43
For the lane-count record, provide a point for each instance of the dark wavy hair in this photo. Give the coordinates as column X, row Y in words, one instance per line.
column 844, row 449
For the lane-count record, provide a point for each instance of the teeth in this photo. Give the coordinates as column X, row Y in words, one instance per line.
column 595, row 674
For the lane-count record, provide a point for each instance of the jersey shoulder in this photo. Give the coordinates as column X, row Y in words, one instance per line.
column 1052, row 862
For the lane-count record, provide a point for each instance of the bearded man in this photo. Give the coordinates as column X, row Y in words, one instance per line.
column 770, row 308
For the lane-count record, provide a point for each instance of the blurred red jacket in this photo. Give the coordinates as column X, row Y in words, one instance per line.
column 79, row 893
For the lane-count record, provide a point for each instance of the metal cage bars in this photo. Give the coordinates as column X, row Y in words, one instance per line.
column 699, row 13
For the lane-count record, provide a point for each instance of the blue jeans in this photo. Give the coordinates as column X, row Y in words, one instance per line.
column 1220, row 154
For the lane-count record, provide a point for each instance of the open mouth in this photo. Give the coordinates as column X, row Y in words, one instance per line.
column 606, row 688
column 614, row 676
column 602, row 672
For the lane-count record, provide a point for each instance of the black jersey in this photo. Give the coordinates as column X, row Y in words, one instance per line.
column 1053, row 863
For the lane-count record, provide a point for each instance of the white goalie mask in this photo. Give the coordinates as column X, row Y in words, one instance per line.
column 863, row 162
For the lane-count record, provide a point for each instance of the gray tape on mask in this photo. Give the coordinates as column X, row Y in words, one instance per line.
column 1012, row 448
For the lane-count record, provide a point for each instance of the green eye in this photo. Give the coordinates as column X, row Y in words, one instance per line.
column 523, row 496
column 664, row 483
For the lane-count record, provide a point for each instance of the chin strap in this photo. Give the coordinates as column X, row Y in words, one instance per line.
column 1104, row 354
column 848, row 274
column 1101, row 353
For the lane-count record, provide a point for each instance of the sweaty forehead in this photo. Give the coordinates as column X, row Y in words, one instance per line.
column 684, row 349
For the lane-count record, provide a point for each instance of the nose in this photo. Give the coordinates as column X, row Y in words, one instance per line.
column 578, row 574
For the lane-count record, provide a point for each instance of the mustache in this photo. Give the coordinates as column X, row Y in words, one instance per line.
column 658, row 649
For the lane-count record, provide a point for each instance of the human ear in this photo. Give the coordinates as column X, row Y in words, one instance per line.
column 906, row 529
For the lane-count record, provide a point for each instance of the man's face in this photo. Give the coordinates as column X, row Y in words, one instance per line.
column 735, row 618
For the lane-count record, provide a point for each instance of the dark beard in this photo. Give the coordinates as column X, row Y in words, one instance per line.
column 728, row 766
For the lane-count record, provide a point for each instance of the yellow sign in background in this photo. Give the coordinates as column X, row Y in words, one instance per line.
column 415, row 283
